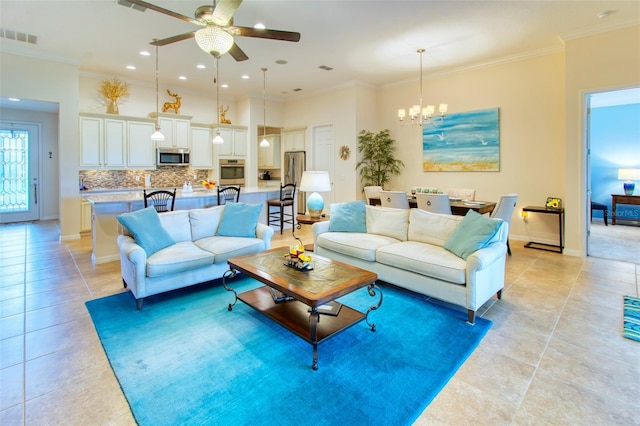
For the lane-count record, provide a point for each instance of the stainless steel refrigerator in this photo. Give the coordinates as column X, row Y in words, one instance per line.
column 295, row 163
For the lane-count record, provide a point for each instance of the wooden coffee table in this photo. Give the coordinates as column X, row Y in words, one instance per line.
column 311, row 291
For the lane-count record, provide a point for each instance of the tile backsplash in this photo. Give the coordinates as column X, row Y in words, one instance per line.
column 163, row 177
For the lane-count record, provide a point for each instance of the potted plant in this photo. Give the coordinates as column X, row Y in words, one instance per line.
column 377, row 163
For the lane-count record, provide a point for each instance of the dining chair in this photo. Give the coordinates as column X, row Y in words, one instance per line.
column 276, row 214
column 504, row 210
column 434, row 203
column 600, row 206
column 396, row 199
column 462, row 193
column 371, row 192
column 161, row 200
column 228, row 194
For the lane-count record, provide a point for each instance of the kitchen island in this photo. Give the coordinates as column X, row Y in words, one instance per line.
column 107, row 204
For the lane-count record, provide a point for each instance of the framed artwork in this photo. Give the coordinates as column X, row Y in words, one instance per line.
column 462, row 142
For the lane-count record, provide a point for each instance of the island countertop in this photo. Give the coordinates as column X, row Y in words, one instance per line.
column 107, row 196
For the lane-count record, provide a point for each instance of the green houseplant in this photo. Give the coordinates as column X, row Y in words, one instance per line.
column 377, row 163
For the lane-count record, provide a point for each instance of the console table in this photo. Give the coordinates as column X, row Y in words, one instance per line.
column 622, row 199
column 548, row 247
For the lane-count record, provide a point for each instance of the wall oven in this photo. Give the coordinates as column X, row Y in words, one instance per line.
column 231, row 172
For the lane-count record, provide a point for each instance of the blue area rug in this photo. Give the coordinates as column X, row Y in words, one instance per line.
column 631, row 328
column 185, row 359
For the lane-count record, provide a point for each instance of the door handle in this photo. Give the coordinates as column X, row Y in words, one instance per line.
column 35, row 193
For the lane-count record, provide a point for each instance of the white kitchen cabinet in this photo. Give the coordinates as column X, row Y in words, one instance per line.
column 175, row 131
column 293, row 139
column 201, row 148
column 269, row 157
column 102, row 143
column 141, row 150
column 85, row 217
column 235, row 141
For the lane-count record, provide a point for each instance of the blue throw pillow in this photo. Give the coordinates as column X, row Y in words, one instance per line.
column 146, row 229
column 472, row 233
column 239, row 220
column 348, row 217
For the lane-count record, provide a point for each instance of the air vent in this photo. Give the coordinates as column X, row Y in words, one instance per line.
column 324, row 67
column 297, row 90
column 18, row 36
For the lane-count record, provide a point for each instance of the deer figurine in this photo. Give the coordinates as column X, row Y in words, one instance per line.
column 223, row 112
column 175, row 106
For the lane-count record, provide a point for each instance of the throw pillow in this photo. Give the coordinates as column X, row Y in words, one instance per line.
column 239, row 220
column 473, row 233
column 146, row 229
column 348, row 217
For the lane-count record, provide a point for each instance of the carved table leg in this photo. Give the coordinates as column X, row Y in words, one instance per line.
column 230, row 274
column 314, row 319
column 372, row 292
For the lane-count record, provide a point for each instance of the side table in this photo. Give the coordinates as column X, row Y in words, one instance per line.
column 548, row 247
column 305, row 219
column 622, row 199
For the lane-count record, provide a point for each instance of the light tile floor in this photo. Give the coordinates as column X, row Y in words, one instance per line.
column 555, row 354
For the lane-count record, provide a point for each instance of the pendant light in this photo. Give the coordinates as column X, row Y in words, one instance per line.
column 264, row 143
column 157, row 136
column 217, row 140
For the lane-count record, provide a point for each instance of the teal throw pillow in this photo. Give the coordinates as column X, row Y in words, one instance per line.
column 239, row 220
column 348, row 217
column 146, row 229
column 472, row 233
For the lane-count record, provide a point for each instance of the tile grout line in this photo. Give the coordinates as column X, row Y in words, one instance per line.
column 24, row 331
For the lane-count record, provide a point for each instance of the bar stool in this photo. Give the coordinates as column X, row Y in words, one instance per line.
column 278, row 216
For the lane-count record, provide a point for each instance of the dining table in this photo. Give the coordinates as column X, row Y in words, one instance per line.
column 458, row 207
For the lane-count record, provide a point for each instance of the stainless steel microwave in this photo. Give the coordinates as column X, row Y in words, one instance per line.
column 173, row 157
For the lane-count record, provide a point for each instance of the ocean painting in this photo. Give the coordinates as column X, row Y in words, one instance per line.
column 462, row 142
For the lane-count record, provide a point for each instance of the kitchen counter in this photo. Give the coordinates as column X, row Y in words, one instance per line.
column 106, row 204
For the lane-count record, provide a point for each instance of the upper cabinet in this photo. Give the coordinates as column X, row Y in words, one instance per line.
column 175, row 130
column 235, row 141
column 269, row 157
column 293, row 139
column 102, row 143
column 141, row 152
column 201, row 147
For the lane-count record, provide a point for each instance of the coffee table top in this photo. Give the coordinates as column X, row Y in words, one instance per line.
column 328, row 280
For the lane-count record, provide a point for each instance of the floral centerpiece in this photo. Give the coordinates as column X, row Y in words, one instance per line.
column 209, row 184
column 113, row 91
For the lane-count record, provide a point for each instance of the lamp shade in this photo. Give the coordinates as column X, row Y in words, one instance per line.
column 313, row 181
column 214, row 40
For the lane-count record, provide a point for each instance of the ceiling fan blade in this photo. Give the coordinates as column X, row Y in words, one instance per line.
column 237, row 53
column 173, row 39
column 164, row 11
column 266, row 33
column 224, row 11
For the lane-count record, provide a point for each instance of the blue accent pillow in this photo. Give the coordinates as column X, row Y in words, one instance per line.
column 146, row 229
column 348, row 217
column 239, row 220
column 472, row 233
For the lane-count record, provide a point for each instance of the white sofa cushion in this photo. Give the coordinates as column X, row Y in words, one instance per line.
column 204, row 222
column 180, row 257
column 224, row 248
column 431, row 228
column 388, row 221
column 176, row 223
column 355, row 244
column 424, row 259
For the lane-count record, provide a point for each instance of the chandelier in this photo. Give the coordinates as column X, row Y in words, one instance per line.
column 214, row 40
column 420, row 115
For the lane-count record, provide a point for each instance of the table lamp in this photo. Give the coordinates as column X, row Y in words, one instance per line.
column 629, row 175
column 314, row 182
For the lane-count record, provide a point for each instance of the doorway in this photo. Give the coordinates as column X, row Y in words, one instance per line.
column 323, row 156
column 613, row 143
column 19, row 181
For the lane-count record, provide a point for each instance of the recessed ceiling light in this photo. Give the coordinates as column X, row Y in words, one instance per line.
column 145, row 53
column 14, row 99
column 259, row 26
column 131, row 67
column 182, row 77
column 224, row 85
column 201, row 66
column 246, row 77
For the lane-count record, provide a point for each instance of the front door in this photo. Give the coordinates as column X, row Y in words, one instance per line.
column 19, row 161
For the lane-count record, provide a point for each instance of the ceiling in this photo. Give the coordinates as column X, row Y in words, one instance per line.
column 365, row 42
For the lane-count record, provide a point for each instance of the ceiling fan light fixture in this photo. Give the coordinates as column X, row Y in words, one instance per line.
column 214, row 40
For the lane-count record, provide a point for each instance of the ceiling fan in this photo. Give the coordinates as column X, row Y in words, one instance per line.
column 216, row 36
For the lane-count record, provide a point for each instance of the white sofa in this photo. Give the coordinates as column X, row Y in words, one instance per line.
column 405, row 248
column 198, row 255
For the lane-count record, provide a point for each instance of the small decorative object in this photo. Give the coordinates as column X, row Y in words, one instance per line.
column 113, row 91
column 175, row 106
column 553, row 203
column 629, row 175
column 209, row 184
column 223, row 114
column 345, row 152
column 296, row 258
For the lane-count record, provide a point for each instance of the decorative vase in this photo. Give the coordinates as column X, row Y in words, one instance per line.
column 112, row 108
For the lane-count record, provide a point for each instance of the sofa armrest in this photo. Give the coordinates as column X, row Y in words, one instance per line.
column 265, row 233
column 485, row 257
column 319, row 228
column 133, row 265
